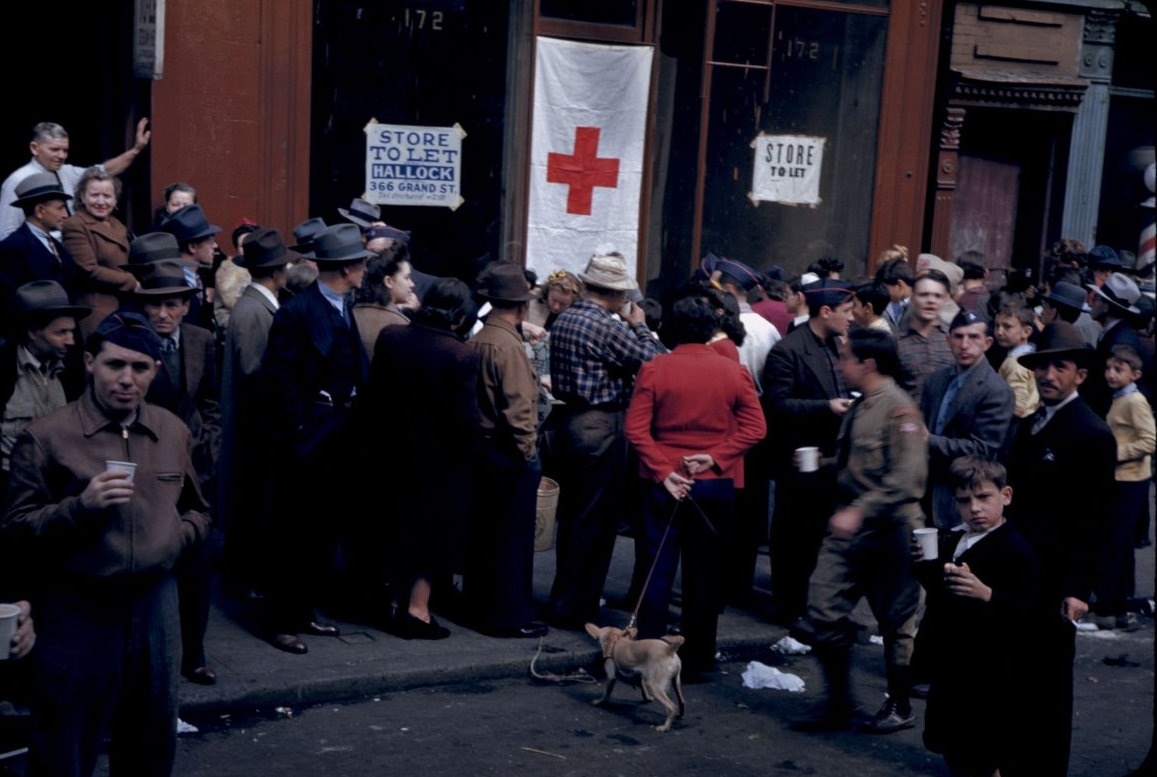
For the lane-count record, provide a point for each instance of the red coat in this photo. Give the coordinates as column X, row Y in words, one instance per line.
column 694, row 400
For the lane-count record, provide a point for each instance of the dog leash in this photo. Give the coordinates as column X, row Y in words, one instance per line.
column 659, row 551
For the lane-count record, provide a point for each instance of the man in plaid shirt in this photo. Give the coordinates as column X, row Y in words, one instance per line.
column 593, row 359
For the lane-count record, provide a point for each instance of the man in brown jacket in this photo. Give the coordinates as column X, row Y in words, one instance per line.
column 104, row 544
column 500, row 564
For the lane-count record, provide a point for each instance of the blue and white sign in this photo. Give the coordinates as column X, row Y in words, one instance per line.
column 408, row 165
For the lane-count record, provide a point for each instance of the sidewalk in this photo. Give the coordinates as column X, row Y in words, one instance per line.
column 362, row 662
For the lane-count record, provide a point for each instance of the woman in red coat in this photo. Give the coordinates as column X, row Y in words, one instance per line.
column 693, row 415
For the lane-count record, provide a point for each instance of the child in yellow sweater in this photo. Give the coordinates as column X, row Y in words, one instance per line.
column 1131, row 420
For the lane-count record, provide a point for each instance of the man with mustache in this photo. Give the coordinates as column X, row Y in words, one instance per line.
column 1061, row 468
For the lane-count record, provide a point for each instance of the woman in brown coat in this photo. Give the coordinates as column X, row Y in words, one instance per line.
column 99, row 244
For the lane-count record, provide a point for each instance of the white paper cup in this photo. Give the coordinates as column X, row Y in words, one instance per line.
column 127, row 467
column 9, row 615
column 928, row 542
column 808, row 458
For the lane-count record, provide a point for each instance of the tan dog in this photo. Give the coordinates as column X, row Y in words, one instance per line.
column 651, row 664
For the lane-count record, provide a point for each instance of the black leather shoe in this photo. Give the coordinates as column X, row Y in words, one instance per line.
column 319, row 629
column 533, row 629
column 407, row 626
column 201, row 675
column 289, row 643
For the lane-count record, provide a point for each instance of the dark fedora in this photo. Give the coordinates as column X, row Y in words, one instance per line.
column 1067, row 294
column 1120, row 291
column 1060, row 340
column 336, row 244
column 1104, row 257
column 264, row 248
column 153, row 247
column 362, row 213
column 38, row 188
column 188, row 224
column 504, row 282
column 305, row 232
column 165, row 279
column 45, row 299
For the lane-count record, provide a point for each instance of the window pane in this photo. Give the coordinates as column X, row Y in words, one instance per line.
column 741, row 33
column 827, row 69
column 594, row 11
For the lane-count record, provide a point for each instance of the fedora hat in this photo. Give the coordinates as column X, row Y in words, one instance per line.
column 264, row 248
column 1059, row 340
column 38, row 188
column 42, row 299
column 1104, row 256
column 1120, row 291
column 504, row 282
column 339, row 243
column 362, row 213
column 189, row 223
column 608, row 271
column 1067, row 294
column 153, row 247
column 165, row 279
column 305, row 232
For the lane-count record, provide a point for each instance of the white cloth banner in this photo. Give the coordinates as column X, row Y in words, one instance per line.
column 586, row 155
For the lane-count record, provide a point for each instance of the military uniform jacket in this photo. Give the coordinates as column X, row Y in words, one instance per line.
column 883, row 457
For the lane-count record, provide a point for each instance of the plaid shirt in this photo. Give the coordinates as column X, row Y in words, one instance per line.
column 921, row 356
column 594, row 356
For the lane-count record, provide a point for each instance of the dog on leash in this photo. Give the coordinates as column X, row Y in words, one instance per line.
column 651, row 664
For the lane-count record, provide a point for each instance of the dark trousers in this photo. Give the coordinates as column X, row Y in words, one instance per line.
column 803, row 505
column 500, row 560
column 752, row 506
column 701, row 541
column 1044, row 749
column 193, row 574
column 312, row 515
column 105, row 664
column 1116, row 577
column 590, row 459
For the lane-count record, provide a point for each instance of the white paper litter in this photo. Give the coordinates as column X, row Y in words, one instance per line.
column 876, row 639
column 186, row 728
column 759, row 675
column 789, row 646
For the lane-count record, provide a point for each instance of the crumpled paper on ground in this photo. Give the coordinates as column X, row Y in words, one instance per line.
column 789, row 646
column 759, row 675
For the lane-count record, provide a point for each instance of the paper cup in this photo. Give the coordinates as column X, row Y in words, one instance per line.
column 9, row 615
column 928, row 542
column 127, row 467
column 808, row 458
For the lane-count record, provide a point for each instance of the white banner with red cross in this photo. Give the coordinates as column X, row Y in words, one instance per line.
column 586, row 155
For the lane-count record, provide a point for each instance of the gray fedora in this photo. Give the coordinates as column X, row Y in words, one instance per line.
column 45, row 299
column 362, row 213
column 1120, row 291
column 38, row 188
column 1068, row 294
column 337, row 244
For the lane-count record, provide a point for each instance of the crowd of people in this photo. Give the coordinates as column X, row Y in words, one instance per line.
column 166, row 407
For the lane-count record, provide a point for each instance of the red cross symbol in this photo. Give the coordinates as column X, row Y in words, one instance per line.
column 583, row 170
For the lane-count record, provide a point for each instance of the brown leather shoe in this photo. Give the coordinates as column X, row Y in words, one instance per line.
column 319, row 629
column 201, row 675
column 289, row 643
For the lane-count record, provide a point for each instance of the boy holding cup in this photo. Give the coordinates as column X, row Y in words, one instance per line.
column 981, row 591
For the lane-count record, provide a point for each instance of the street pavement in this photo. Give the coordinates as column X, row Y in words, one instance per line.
column 364, row 662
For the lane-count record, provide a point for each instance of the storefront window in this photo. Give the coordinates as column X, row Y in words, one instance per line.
column 823, row 87
column 599, row 12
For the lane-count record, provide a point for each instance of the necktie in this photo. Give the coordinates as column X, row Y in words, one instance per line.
column 52, row 247
column 172, row 359
column 1038, row 419
column 950, row 393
